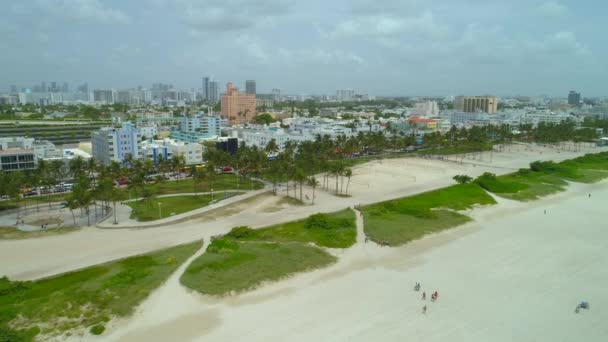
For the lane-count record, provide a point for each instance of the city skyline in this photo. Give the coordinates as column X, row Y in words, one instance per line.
column 392, row 48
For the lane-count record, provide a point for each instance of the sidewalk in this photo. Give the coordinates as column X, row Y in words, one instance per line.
column 123, row 212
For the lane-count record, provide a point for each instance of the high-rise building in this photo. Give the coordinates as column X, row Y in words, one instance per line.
column 488, row 104
column 214, row 91
column 84, row 88
column 276, row 94
column 205, row 88
column 65, row 88
column 250, row 87
column 14, row 89
column 115, row 144
column 104, row 95
column 237, row 107
column 426, row 108
column 345, row 94
column 574, row 98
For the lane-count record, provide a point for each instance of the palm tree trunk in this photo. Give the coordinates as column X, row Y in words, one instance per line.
column 300, row 191
column 73, row 217
column 347, row 184
column 88, row 216
column 336, row 184
column 313, row 195
column 115, row 222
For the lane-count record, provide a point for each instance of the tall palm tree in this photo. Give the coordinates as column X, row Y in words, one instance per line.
column 348, row 173
column 312, row 182
column 271, row 148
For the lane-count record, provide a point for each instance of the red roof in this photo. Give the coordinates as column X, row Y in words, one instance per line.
column 420, row 120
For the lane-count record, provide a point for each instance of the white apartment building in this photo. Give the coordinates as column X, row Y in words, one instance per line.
column 261, row 138
column 426, row 108
column 165, row 149
column 115, row 144
column 148, row 131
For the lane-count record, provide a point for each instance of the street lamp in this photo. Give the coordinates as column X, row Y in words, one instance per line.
column 160, row 214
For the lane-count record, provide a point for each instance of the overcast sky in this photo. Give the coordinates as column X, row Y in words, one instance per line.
column 380, row 47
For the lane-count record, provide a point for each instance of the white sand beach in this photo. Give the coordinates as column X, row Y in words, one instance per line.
column 515, row 274
column 372, row 182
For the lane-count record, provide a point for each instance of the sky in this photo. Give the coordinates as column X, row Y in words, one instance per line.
column 377, row 47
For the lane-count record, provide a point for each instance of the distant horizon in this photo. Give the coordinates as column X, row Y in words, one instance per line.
column 388, row 47
column 241, row 88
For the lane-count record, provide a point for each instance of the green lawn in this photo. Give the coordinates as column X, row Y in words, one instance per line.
column 457, row 149
column 12, row 233
column 147, row 210
column 549, row 177
column 85, row 298
column 222, row 182
column 31, row 202
column 402, row 220
column 336, row 230
column 231, row 266
column 537, row 185
column 398, row 229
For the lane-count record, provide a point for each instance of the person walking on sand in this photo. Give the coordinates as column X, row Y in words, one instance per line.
column 545, row 211
column 423, row 295
column 424, row 309
column 589, row 195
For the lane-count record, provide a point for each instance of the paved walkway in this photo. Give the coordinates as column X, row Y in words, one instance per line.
column 123, row 212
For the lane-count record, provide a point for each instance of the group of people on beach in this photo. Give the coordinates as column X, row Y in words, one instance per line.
column 434, row 296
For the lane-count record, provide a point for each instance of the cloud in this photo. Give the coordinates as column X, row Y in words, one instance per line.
column 82, row 10
column 228, row 15
column 378, row 26
column 552, row 9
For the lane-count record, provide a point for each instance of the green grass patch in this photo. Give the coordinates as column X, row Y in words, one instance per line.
column 232, row 266
column 336, row 230
column 399, row 229
column 85, row 298
column 147, row 210
column 399, row 221
column 32, row 202
column 12, row 233
column 459, row 148
column 222, row 182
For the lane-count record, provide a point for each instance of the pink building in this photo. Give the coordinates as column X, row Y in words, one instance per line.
column 237, row 107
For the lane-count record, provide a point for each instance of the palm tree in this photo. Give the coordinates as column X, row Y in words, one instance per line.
column 210, row 175
column 348, row 173
column 72, row 204
column 300, row 177
column 271, row 148
column 312, row 182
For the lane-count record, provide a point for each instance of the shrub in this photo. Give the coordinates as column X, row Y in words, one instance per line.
column 543, row 166
column 317, row 221
column 241, row 232
column 97, row 329
column 462, row 179
column 523, row 172
column 222, row 246
column 8, row 287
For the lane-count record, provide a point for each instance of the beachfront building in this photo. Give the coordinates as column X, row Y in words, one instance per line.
column 426, row 108
column 165, row 149
column 237, row 108
column 199, row 127
column 423, row 123
column 262, row 137
column 115, row 144
column 488, row 104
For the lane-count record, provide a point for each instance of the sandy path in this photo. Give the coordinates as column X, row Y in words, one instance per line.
column 372, row 182
column 515, row 274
